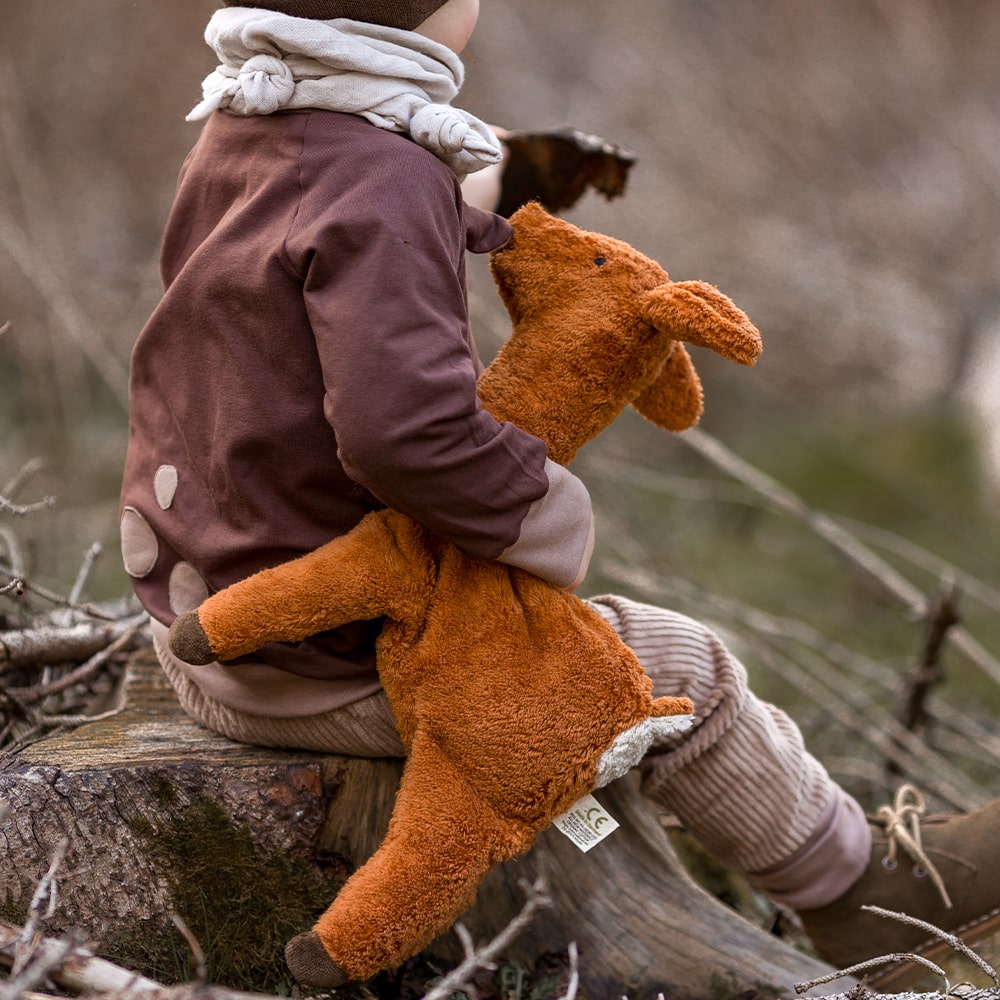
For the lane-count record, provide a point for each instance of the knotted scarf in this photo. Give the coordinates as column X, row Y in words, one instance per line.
column 397, row 80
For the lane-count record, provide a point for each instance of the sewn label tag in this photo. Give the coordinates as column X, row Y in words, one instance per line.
column 587, row 823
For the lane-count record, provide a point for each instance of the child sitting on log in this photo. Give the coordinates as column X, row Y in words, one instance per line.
column 311, row 361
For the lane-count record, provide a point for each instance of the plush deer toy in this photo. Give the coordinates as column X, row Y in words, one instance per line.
column 513, row 697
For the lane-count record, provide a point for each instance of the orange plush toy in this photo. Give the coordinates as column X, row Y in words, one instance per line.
column 513, row 697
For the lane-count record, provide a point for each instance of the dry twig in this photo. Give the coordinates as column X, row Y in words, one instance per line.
column 197, row 953
column 477, row 959
column 46, row 895
column 864, row 993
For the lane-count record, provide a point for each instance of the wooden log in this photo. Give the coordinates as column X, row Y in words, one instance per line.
column 163, row 817
column 248, row 845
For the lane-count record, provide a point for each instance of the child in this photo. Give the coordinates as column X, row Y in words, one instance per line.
column 311, row 361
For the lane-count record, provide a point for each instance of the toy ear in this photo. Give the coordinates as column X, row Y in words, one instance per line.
column 699, row 313
column 673, row 400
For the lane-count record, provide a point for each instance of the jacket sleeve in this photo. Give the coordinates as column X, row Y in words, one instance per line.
column 384, row 286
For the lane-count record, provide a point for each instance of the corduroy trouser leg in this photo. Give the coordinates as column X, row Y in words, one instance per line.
column 741, row 780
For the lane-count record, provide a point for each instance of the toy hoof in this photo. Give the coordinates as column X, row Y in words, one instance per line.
column 188, row 642
column 310, row 964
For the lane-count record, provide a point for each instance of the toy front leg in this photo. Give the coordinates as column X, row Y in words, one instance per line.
column 441, row 842
column 351, row 578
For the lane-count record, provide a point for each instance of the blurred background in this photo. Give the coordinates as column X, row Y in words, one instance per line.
column 832, row 166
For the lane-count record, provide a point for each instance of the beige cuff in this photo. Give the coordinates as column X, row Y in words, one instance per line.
column 828, row 864
column 557, row 534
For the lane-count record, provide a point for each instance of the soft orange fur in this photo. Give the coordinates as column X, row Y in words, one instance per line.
column 506, row 689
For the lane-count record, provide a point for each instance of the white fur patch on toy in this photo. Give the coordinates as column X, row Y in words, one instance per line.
column 630, row 746
column 587, row 822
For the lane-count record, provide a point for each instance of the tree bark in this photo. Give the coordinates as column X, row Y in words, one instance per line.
column 162, row 816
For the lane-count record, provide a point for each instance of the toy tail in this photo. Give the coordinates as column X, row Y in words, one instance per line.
column 669, row 705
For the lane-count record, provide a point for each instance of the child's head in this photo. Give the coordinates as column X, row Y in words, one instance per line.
column 449, row 22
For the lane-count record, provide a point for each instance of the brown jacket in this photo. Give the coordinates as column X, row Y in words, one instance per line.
column 311, row 361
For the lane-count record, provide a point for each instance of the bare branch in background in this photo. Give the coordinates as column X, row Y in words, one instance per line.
column 27, row 470
column 7, row 505
column 807, row 667
column 86, row 567
column 783, row 499
column 64, row 309
column 916, row 555
column 34, row 251
column 941, row 617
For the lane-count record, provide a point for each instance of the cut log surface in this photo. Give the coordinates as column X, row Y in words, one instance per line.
column 142, row 797
column 104, row 784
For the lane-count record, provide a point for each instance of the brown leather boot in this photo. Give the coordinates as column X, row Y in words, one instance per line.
column 943, row 869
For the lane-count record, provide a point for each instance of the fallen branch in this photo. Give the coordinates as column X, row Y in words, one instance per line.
column 43, row 961
column 75, row 968
column 116, row 639
column 50, row 644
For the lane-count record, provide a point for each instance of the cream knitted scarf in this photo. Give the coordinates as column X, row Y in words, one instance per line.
column 398, row 80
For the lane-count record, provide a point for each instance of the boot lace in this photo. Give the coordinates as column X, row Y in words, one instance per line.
column 901, row 821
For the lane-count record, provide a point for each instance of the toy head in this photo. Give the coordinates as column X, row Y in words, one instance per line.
column 598, row 325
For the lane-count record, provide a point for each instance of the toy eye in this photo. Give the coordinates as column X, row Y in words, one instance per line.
column 600, row 261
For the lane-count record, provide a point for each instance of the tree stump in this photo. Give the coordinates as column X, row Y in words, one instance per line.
column 248, row 845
